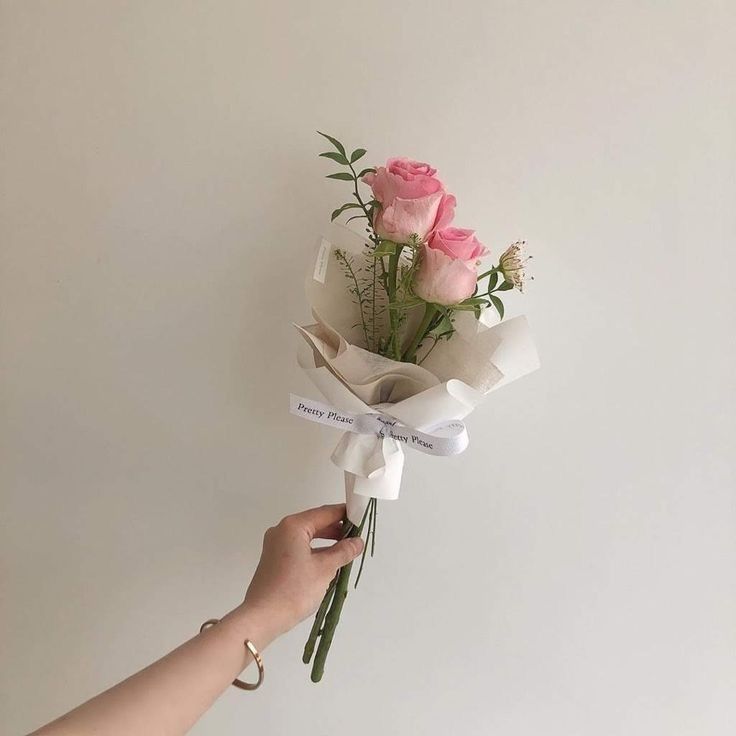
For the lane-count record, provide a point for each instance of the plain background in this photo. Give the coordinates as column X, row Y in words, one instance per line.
column 574, row 572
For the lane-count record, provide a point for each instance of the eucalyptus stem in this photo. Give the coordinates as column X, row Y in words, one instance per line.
column 429, row 313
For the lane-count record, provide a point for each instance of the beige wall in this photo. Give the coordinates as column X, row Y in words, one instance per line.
column 573, row 572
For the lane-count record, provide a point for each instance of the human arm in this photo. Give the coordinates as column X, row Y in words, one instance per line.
column 170, row 695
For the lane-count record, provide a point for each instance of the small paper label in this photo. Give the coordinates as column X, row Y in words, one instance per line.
column 323, row 260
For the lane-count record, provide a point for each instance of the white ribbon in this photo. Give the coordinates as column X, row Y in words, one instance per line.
column 448, row 438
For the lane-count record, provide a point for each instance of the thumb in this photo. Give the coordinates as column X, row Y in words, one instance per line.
column 342, row 552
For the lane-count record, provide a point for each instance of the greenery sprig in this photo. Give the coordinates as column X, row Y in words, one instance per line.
column 371, row 311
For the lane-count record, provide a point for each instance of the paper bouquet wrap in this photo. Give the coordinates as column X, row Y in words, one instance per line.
column 384, row 406
column 403, row 347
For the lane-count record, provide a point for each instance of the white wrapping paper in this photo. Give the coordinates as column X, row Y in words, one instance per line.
column 449, row 384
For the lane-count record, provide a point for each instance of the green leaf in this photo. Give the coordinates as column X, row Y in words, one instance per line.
column 386, row 248
column 335, row 157
column 334, row 142
column 473, row 302
column 505, row 286
column 357, row 154
column 442, row 328
column 354, row 217
column 369, row 170
column 498, row 304
column 341, row 175
column 340, row 210
column 492, row 281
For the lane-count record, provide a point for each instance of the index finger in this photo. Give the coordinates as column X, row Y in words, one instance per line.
column 318, row 519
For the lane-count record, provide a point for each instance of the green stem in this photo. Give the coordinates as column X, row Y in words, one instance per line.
column 371, row 511
column 488, row 273
column 428, row 353
column 333, row 616
column 334, row 599
column 348, row 266
column 363, row 205
column 318, row 621
column 376, row 240
column 393, row 269
column 410, row 353
column 373, row 533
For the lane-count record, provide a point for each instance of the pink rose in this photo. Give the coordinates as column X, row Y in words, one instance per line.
column 413, row 200
column 447, row 271
column 442, row 279
column 457, row 242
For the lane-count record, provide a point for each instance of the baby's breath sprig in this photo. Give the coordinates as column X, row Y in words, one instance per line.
column 356, row 288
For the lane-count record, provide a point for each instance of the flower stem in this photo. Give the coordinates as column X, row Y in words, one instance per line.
column 410, row 353
column 318, row 621
column 331, row 621
column 328, row 614
column 393, row 269
column 488, row 273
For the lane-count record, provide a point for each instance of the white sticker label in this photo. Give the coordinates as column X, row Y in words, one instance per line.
column 323, row 260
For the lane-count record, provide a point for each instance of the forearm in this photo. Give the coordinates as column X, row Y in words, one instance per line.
column 170, row 695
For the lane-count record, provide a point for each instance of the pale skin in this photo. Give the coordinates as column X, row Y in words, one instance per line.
column 170, row 695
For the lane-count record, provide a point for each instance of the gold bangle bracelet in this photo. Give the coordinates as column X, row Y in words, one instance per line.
column 251, row 648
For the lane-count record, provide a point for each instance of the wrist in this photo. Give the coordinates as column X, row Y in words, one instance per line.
column 250, row 622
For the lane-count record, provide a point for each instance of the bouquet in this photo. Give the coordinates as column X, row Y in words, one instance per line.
column 403, row 345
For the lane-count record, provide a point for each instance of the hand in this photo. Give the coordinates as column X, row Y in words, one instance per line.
column 292, row 577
